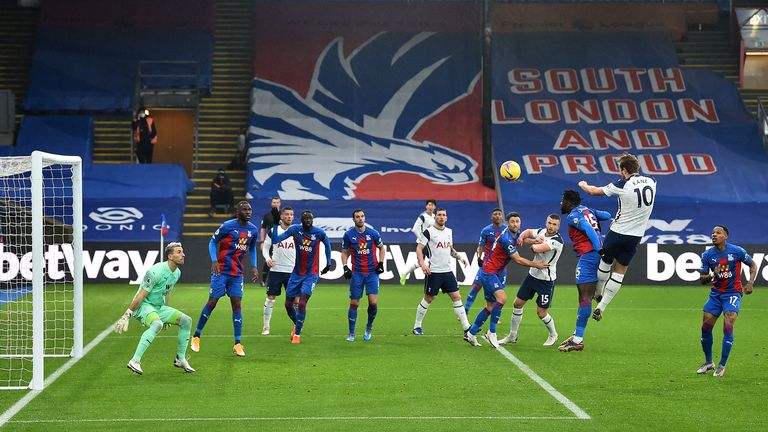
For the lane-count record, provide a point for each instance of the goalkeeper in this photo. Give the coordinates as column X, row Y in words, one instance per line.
column 150, row 307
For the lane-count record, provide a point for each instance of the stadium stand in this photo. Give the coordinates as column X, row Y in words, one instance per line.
column 70, row 135
column 88, row 60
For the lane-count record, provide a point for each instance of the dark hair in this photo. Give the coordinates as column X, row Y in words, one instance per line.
column 243, row 203
column 431, row 201
column 285, row 209
column 309, row 212
column 496, row 210
column 512, row 214
column 572, row 197
column 355, row 211
column 724, row 229
column 441, row 209
column 630, row 163
column 169, row 248
column 275, row 198
column 554, row 216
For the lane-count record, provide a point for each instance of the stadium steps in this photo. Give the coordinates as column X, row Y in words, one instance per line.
column 712, row 48
column 112, row 138
column 17, row 39
column 222, row 113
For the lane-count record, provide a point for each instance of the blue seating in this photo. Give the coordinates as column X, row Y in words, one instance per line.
column 67, row 135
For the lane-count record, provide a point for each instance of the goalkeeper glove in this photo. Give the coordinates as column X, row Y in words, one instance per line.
column 380, row 268
column 122, row 324
column 347, row 273
column 325, row 269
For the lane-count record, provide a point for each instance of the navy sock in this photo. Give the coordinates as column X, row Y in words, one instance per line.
column 352, row 317
column 237, row 323
column 706, row 341
column 204, row 316
column 495, row 316
column 301, row 315
column 727, row 343
column 291, row 310
column 471, row 297
column 582, row 318
column 373, row 309
column 479, row 321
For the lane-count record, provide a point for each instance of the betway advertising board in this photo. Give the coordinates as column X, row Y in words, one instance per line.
column 654, row 264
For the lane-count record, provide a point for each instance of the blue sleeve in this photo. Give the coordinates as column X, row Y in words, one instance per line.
column 345, row 241
column 704, row 266
column 327, row 244
column 212, row 250
column 254, row 252
column 744, row 256
column 509, row 245
column 377, row 238
column 602, row 215
column 590, row 232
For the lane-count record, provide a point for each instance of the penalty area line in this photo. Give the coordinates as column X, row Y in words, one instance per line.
column 18, row 406
column 580, row 413
column 316, row 418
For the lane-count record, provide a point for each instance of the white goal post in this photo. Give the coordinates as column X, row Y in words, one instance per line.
column 41, row 306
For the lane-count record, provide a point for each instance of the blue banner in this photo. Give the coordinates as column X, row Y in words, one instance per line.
column 568, row 114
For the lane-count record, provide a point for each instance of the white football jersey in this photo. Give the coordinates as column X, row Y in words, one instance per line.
column 283, row 254
column 424, row 221
column 550, row 257
column 440, row 243
column 636, row 196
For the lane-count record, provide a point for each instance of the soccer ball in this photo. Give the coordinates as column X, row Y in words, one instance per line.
column 510, row 171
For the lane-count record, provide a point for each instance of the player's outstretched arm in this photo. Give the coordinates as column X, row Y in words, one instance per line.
column 591, row 190
column 525, row 262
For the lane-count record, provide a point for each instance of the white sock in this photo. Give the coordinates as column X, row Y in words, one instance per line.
column 550, row 323
column 578, row 339
column 421, row 310
column 458, row 309
column 612, row 287
column 603, row 273
column 517, row 318
column 269, row 305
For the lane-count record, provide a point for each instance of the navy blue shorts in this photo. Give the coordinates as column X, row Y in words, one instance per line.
column 619, row 247
column 276, row 281
column 441, row 281
column 531, row 286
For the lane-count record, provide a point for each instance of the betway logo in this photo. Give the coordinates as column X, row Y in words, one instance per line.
column 676, row 225
column 112, row 264
column 663, row 266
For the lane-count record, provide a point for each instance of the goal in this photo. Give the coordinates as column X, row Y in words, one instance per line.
column 41, row 250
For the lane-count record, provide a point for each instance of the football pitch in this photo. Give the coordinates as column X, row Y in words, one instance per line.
column 635, row 373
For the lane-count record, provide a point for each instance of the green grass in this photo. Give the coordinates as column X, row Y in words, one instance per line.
column 636, row 372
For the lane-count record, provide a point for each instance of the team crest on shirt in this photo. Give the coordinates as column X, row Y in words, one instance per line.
column 730, row 257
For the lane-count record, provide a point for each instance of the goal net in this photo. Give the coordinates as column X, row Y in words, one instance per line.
column 40, row 265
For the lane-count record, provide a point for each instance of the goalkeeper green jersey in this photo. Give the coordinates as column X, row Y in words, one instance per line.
column 158, row 282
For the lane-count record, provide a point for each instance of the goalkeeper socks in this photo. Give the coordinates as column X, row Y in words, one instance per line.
column 301, row 315
column 582, row 318
column 269, row 306
column 727, row 343
column 495, row 316
column 237, row 322
column 517, row 318
column 146, row 339
column 352, row 317
column 373, row 309
column 290, row 309
column 481, row 318
column 204, row 316
column 471, row 297
column 461, row 313
column 185, row 327
column 706, row 341
column 612, row 287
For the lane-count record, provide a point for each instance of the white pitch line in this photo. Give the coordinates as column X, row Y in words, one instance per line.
column 256, row 419
column 580, row 413
column 18, row 406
